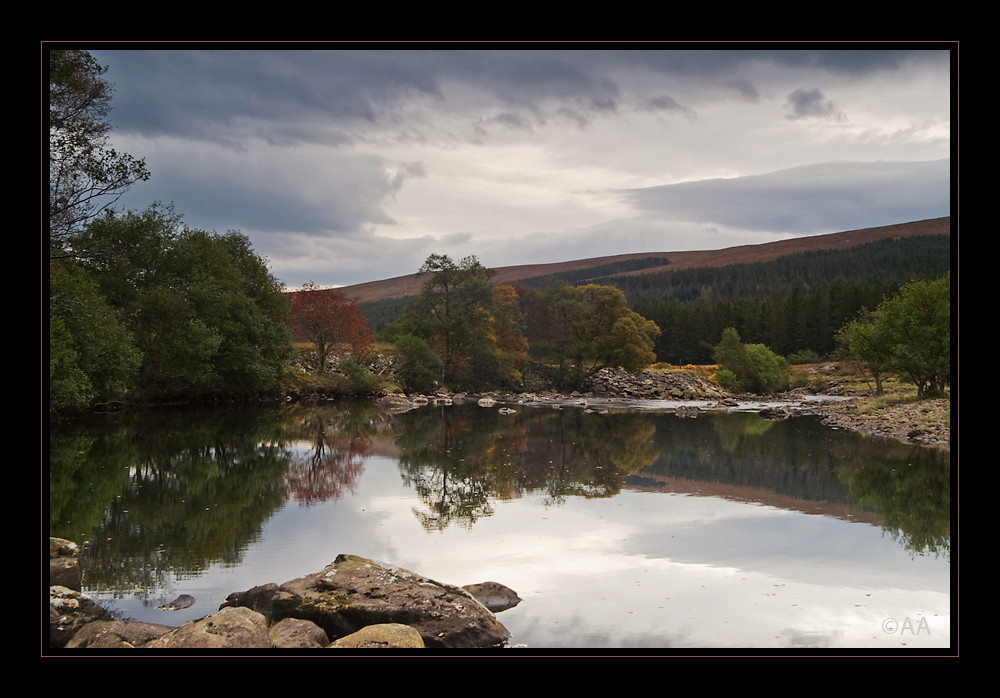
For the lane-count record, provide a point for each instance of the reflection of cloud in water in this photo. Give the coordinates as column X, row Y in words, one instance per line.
column 649, row 571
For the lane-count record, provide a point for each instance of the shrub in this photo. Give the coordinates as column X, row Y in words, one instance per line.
column 360, row 380
column 751, row 368
column 419, row 367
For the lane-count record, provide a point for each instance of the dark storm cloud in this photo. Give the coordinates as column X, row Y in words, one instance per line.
column 806, row 104
column 282, row 95
column 809, row 199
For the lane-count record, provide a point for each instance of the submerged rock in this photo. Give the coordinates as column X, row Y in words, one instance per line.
column 493, row 595
column 182, row 601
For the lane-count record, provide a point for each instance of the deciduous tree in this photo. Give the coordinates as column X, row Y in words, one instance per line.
column 472, row 325
column 86, row 175
column 328, row 319
column 204, row 311
column 909, row 334
column 751, row 368
column 590, row 328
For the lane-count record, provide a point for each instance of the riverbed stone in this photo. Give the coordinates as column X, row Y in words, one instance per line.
column 493, row 595
column 654, row 385
column 230, row 628
column 354, row 592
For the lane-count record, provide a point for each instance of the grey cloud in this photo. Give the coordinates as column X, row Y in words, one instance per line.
column 808, row 199
column 308, row 95
column 746, row 89
column 338, row 193
column 810, row 104
column 664, row 103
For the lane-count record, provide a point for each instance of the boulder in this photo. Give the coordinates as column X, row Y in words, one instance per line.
column 396, row 404
column 493, row 595
column 116, row 634
column 64, row 564
column 655, row 385
column 230, row 628
column 182, row 601
column 69, row 611
column 295, row 633
column 382, row 636
column 354, row 592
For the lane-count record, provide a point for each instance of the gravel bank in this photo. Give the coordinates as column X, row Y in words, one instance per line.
column 927, row 421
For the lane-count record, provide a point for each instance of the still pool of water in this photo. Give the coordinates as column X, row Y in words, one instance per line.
column 627, row 530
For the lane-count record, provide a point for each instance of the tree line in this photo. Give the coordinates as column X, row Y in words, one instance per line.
column 464, row 332
column 141, row 306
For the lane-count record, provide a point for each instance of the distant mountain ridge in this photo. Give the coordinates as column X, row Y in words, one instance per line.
column 404, row 286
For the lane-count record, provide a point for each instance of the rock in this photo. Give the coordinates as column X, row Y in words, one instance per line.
column 182, row 601
column 69, row 611
column 383, row 635
column 493, row 595
column 396, row 404
column 655, row 385
column 293, row 633
column 116, row 634
column 259, row 598
column 230, row 628
column 353, row 592
column 64, row 564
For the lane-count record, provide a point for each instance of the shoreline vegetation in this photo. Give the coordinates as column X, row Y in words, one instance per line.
column 835, row 391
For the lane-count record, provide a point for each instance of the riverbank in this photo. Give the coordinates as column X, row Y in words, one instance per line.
column 841, row 399
column 926, row 421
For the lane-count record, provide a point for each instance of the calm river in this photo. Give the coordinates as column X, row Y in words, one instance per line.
column 626, row 529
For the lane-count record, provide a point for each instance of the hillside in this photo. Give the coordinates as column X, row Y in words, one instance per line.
column 403, row 286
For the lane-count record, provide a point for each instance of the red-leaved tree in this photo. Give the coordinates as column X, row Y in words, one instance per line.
column 330, row 320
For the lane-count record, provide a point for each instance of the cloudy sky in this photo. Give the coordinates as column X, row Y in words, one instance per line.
column 344, row 166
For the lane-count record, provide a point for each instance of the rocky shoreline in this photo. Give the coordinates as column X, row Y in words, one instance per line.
column 927, row 422
column 352, row 603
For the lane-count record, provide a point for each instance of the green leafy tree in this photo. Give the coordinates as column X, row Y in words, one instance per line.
column 589, row 328
column 868, row 345
column 92, row 356
column 472, row 325
column 419, row 367
column 85, row 174
column 204, row 311
column 751, row 368
column 908, row 334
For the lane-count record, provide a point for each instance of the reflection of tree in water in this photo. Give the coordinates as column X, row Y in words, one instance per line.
column 912, row 496
column 459, row 460
column 575, row 453
column 905, row 487
column 335, row 461
column 445, row 455
column 165, row 493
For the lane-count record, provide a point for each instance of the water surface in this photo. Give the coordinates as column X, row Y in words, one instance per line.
column 627, row 529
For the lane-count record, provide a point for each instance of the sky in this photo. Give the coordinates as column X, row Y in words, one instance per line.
column 344, row 165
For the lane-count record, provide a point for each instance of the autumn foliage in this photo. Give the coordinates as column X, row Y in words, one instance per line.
column 330, row 321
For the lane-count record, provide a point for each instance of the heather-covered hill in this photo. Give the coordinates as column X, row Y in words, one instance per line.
column 655, row 262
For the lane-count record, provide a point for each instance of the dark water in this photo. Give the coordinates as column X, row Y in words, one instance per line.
column 630, row 529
